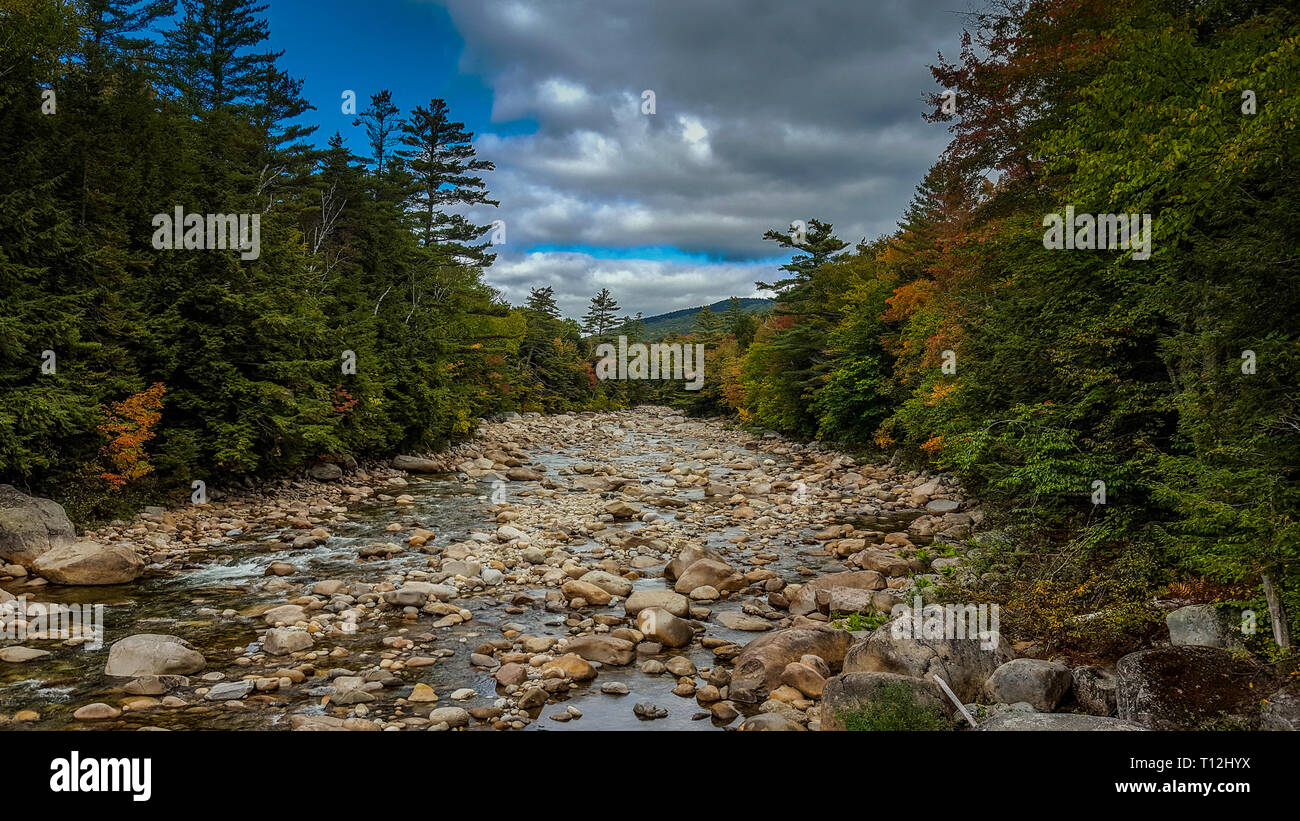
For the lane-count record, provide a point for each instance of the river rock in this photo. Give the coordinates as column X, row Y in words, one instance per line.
column 230, row 690
column 451, row 716
column 603, row 649
column 689, row 556
column 663, row 627
column 590, row 593
column 98, row 711
column 942, row 505
column 611, row 584
column 1176, row 688
column 1035, row 681
column 416, row 464
column 760, row 664
column 719, row 575
column 31, row 526
column 285, row 614
column 89, row 563
column 572, row 666
column 150, row 654
column 744, row 622
column 815, row 594
column 21, row 655
column 326, row 472
column 622, row 510
column 511, row 673
column 961, row 662
column 804, row 679
column 769, row 722
column 674, row 603
column 281, row 641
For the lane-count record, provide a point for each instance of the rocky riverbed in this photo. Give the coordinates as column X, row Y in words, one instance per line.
column 620, row 570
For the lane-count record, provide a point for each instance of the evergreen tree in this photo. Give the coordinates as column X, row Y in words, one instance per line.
column 542, row 300
column 383, row 123
column 601, row 316
column 440, row 156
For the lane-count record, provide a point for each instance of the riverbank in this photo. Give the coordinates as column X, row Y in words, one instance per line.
column 593, row 571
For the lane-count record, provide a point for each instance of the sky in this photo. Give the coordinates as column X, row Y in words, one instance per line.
column 765, row 112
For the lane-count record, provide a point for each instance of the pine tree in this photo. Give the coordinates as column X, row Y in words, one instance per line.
column 542, row 300
column 740, row 323
column 440, row 156
column 601, row 316
column 383, row 125
column 708, row 326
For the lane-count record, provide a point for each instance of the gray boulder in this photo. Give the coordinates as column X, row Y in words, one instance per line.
column 30, row 526
column 416, row 464
column 1037, row 682
column 281, row 641
column 1175, row 688
column 963, row 663
column 1094, row 689
column 151, row 654
column 1056, row 722
column 1282, row 709
column 326, row 472
column 1203, row 625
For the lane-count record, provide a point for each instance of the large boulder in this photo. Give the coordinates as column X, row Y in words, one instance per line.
column 1094, row 689
column 1056, row 722
column 816, row 594
column 325, row 472
column 1175, row 688
column 89, row 563
column 857, row 691
column 151, row 654
column 1037, row 682
column 707, row 572
column 964, row 663
column 1203, row 625
column 1282, row 709
column 673, row 602
column 760, row 664
column 30, row 526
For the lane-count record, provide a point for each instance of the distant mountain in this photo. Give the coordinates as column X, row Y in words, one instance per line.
column 680, row 322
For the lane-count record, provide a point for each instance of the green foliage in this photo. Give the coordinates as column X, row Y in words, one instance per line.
column 250, row 352
column 1068, row 368
column 894, row 710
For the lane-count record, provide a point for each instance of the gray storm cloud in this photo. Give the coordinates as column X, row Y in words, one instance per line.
column 766, row 112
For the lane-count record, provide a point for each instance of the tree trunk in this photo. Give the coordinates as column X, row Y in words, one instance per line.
column 1277, row 614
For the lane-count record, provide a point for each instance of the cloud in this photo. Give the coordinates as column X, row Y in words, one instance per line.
column 766, row 112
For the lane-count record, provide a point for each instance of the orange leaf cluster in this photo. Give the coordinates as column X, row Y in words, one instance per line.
column 128, row 426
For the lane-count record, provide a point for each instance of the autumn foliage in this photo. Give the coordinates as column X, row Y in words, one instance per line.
column 128, row 426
